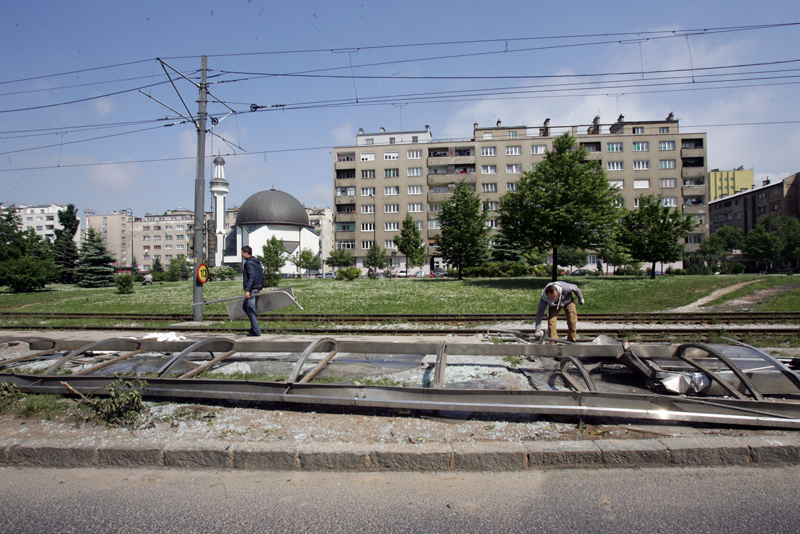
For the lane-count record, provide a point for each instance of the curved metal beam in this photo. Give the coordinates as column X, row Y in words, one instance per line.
column 195, row 347
column 302, row 359
column 75, row 353
column 581, row 369
column 681, row 354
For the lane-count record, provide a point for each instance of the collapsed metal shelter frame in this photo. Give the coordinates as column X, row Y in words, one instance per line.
column 766, row 394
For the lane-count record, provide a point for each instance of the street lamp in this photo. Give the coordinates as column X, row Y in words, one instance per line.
column 129, row 212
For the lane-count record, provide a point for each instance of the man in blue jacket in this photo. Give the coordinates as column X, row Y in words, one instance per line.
column 557, row 295
column 253, row 281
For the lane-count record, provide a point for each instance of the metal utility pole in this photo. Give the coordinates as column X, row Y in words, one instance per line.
column 199, row 191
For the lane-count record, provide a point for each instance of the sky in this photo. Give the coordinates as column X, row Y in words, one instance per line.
column 88, row 115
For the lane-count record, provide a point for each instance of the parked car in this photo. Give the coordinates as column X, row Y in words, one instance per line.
column 439, row 272
column 580, row 272
column 419, row 274
column 326, row 275
column 403, row 274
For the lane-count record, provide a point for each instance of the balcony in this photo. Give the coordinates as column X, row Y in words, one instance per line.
column 342, row 235
column 345, row 217
column 433, row 250
column 438, row 197
column 694, row 190
column 691, row 209
column 432, row 233
column 339, row 165
column 454, row 178
column 693, row 152
column 693, row 172
column 344, row 200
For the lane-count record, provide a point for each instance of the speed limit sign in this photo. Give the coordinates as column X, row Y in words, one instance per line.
column 202, row 273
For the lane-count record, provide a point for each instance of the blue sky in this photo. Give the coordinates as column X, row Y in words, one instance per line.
column 74, row 128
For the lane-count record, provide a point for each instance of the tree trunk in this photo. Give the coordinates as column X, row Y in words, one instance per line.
column 653, row 272
column 554, row 274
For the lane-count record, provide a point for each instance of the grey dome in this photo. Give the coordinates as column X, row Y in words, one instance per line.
column 272, row 207
column 219, row 161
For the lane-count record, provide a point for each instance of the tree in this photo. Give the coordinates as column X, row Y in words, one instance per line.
column 12, row 241
column 306, row 259
column 565, row 202
column 65, row 250
column 464, row 238
column 376, row 257
column 504, row 249
column 775, row 238
column 654, row 233
column 27, row 273
column 178, row 269
column 340, row 257
column 614, row 254
column 409, row 243
column 573, row 257
column 94, row 263
column 733, row 237
column 272, row 260
column 157, row 267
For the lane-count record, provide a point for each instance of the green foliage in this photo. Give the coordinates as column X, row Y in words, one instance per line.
column 123, row 405
column 222, row 272
column 25, row 274
column 272, row 260
column 157, row 267
column 306, row 260
column 499, row 269
column 654, row 233
column 464, row 238
column 348, row 273
column 504, row 249
column 572, row 257
column 340, row 257
column 376, row 257
column 9, row 396
column 409, row 243
column 41, row 406
column 565, row 202
column 12, row 240
column 94, row 264
column 543, row 269
column 776, row 238
column 178, row 269
column 124, row 283
column 65, row 250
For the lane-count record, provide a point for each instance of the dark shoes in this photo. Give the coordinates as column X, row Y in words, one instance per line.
column 253, row 334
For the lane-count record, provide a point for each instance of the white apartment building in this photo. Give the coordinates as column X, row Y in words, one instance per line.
column 389, row 174
column 43, row 219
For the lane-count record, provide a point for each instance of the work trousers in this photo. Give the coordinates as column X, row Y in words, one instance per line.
column 572, row 321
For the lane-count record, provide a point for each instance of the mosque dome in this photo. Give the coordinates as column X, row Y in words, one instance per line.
column 272, row 207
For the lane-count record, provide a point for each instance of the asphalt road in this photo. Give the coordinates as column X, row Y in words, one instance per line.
column 668, row 500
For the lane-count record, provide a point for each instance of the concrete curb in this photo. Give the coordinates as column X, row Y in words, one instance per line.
column 486, row 456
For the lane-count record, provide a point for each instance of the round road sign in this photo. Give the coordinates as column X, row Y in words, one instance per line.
column 202, row 273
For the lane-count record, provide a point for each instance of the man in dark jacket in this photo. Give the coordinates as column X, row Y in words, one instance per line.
column 253, row 281
column 558, row 295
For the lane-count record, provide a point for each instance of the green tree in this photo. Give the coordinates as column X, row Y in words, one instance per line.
column 272, row 260
column 503, row 249
column 94, row 264
column 12, row 240
column 27, row 273
column 178, row 269
column 306, row 259
column 65, row 250
column 464, row 238
column 612, row 253
column 573, row 257
column 376, row 258
column 654, row 233
column 340, row 257
column 776, row 238
column 733, row 237
column 565, row 202
column 157, row 267
column 409, row 243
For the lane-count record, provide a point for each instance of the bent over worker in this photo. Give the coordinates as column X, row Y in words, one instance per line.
column 558, row 295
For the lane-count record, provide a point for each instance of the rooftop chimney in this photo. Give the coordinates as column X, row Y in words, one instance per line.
column 671, row 117
column 361, row 130
column 383, row 129
column 498, row 123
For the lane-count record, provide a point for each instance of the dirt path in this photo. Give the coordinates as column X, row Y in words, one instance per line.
column 695, row 306
column 746, row 302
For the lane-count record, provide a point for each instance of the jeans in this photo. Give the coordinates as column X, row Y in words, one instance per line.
column 249, row 307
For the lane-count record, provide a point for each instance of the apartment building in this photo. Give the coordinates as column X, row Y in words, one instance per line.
column 42, row 219
column 117, row 229
column 389, row 174
column 744, row 209
column 321, row 220
column 726, row 183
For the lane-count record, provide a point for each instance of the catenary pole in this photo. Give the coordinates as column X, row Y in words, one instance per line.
column 199, row 191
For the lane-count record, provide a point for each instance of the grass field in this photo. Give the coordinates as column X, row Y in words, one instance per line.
column 413, row 295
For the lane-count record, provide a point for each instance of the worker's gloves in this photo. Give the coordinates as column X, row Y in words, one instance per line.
column 538, row 335
column 581, row 302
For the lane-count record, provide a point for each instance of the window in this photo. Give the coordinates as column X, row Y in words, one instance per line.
column 440, row 189
column 666, row 145
column 367, row 191
column 368, row 208
column 346, row 244
column 392, row 226
column 492, row 206
column 157, row 228
column 489, row 151
column 415, row 139
column 512, row 135
column 641, row 184
column 666, row 164
column 538, row 149
column 488, row 169
column 433, row 224
column 349, row 191
column 669, row 202
column 369, row 141
column 638, row 129
column 515, row 168
column 513, row 150
column 511, row 186
column 415, row 208
column 694, row 239
column 168, row 247
column 368, row 173
column 619, row 203
column 366, row 245
column 435, row 207
column 491, row 223
column 635, row 202
column 390, row 244
column 414, row 189
column 157, row 247
column 391, row 208
column 641, row 165
column 345, row 227
column 179, row 227
column 619, row 184
column 614, row 147
column 168, row 257
column 168, row 237
column 414, row 154
column 614, row 166
column 641, row 147
column 663, row 129
column 368, row 156
column 391, row 155
column 415, row 171
column 156, row 238
column 179, row 237
column 391, row 191
column 668, row 183
column 489, row 188
column 179, row 247
column 418, row 224
column 391, row 173
column 145, row 238
column 487, row 135
column 391, row 140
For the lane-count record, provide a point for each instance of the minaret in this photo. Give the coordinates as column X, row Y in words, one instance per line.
column 219, row 188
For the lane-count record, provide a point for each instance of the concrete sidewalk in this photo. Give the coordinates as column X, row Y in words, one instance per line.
column 494, row 456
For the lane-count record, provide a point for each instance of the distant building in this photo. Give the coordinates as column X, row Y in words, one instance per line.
column 42, row 219
column 321, row 220
column 726, row 183
column 744, row 209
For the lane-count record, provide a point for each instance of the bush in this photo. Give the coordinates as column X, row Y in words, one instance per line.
column 124, row 283
column 221, row 272
column 633, row 269
column 542, row 270
column 737, row 268
column 272, row 279
column 499, row 269
column 138, row 277
column 26, row 274
column 675, row 272
column 349, row 273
